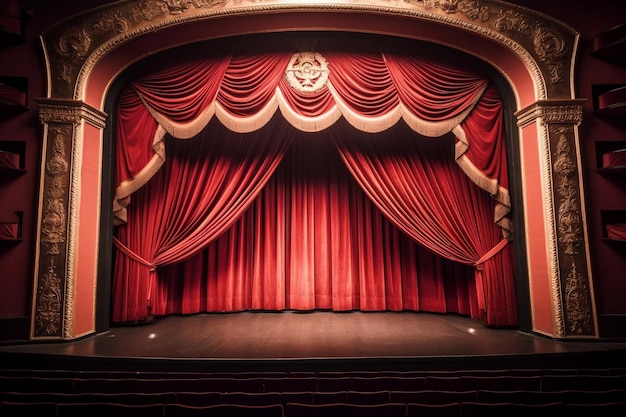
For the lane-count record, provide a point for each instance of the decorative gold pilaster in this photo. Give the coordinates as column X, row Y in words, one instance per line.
column 572, row 284
column 54, row 278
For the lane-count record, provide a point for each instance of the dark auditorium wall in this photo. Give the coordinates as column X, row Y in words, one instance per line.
column 19, row 196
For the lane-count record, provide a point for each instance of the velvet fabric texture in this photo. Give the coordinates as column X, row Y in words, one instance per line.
column 384, row 188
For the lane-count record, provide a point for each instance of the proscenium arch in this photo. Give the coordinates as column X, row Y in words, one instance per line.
column 87, row 53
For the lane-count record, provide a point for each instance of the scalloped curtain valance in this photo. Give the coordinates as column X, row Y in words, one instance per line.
column 372, row 91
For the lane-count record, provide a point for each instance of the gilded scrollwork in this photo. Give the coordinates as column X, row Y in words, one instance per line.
column 53, row 234
column 48, row 315
column 75, row 41
column 576, row 291
column 569, row 218
column 149, row 9
column 548, row 43
column 545, row 46
column 572, row 297
column 579, row 310
column 472, row 9
column 180, row 6
column 53, row 224
column 551, row 49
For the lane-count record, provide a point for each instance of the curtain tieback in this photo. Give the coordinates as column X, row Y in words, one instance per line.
column 480, row 289
column 126, row 251
column 490, row 254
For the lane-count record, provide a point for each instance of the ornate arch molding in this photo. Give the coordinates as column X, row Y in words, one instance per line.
column 75, row 46
column 86, row 52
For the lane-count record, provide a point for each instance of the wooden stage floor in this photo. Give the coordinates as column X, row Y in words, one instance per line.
column 316, row 340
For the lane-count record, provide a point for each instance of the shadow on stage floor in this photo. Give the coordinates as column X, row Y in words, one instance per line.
column 319, row 340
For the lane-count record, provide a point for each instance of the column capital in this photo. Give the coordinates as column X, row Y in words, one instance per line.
column 565, row 111
column 70, row 111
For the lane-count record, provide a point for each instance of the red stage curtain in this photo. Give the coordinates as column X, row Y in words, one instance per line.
column 375, row 92
column 313, row 240
column 416, row 183
column 482, row 155
column 372, row 90
column 201, row 192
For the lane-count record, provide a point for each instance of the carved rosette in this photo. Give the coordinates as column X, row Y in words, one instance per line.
column 52, row 316
column 307, row 72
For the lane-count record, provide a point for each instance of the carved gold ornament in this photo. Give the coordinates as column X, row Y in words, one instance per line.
column 307, row 72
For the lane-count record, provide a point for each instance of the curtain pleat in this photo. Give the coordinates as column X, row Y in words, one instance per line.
column 363, row 83
column 250, row 82
column 184, row 91
column 313, row 240
column 432, row 91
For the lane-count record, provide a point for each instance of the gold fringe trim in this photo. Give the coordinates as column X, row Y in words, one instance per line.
column 247, row 124
column 364, row 123
column 431, row 129
column 184, row 130
column 462, row 145
column 128, row 187
column 491, row 185
column 304, row 123
column 313, row 124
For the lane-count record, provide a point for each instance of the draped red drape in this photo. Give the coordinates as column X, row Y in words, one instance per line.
column 425, row 194
column 197, row 197
column 313, row 240
column 254, row 240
